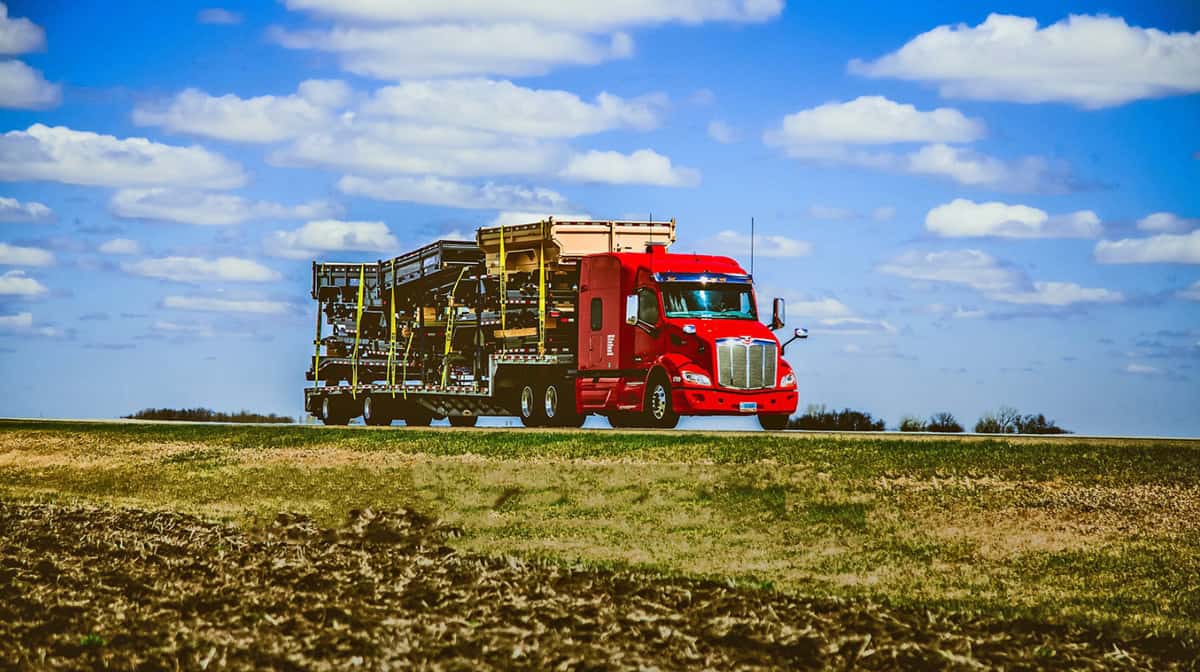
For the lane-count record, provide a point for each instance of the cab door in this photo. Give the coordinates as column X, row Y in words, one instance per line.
column 600, row 305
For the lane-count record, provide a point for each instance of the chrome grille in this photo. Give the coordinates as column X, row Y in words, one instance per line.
column 745, row 365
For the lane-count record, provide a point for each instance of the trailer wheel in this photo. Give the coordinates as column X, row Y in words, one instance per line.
column 559, row 403
column 463, row 420
column 773, row 422
column 531, row 404
column 418, row 417
column 331, row 414
column 657, row 408
column 623, row 419
column 376, row 412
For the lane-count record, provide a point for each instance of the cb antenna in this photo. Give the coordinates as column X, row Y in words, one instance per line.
column 751, row 247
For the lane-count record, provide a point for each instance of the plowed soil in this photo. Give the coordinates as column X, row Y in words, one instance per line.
column 131, row 589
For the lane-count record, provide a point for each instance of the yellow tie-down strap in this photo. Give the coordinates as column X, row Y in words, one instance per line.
column 362, row 269
column 450, row 328
column 391, row 376
column 317, row 349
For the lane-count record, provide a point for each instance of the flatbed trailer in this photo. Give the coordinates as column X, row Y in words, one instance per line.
column 461, row 329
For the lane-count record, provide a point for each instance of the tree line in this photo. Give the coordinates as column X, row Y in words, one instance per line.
column 1005, row 420
column 205, row 415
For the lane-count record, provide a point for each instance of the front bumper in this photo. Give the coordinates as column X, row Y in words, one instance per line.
column 725, row 401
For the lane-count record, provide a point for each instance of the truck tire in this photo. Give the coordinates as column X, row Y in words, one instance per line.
column 332, row 413
column 531, row 404
column 376, row 412
column 622, row 419
column 463, row 420
column 773, row 422
column 558, row 401
column 418, row 417
column 657, row 408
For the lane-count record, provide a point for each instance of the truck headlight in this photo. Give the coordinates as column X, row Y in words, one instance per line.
column 696, row 378
column 788, row 381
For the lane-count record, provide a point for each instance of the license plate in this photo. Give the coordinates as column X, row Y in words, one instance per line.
column 748, row 407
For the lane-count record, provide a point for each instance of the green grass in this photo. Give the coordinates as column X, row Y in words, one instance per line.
column 1067, row 530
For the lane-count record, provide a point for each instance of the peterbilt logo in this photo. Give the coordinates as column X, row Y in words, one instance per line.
column 746, row 340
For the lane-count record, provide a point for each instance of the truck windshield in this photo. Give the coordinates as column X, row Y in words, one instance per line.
column 695, row 299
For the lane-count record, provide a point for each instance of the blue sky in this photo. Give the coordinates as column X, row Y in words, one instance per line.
column 969, row 206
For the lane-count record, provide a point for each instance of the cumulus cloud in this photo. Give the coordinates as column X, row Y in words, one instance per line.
column 820, row 308
column 120, row 246
column 872, row 120
column 216, row 305
column 331, row 235
column 967, row 166
column 504, row 107
column 983, row 273
column 855, row 326
column 1090, row 61
column 13, row 255
column 511, row 218
column 258, row 119
column 20, row 35
column 1165, row 248
column 16, row 322
column 207, row 209
column 722, row 132
column 196, row 269
column 594, row 16
column 24, row 88
column 729, row 242
column 438, row 191
column 962, row 218
column 1166, row 222
column 444, row 50
column 644, row 166
column 12, row 210
column 16, row 283
column 61, row 154
column 219, row 16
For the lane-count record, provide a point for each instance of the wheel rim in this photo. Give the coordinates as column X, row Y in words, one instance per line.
column 325, row 408
column 658, row 402
column 527, row 402
column 368, row 410
column 551, row 401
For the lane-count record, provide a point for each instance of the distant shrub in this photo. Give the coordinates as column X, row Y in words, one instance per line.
column 845, row 420
column 1008, row 420
column 943, row 422
column 911, row 423
column 205, row 415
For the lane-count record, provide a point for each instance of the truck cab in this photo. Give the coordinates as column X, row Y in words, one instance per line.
column 663, row 335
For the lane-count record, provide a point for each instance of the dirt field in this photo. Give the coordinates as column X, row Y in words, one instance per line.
column 130, row 589
column 143, row 547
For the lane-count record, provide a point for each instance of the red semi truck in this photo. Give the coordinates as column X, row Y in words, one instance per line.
column 550, row 321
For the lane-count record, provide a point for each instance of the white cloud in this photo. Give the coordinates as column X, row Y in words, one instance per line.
column 444, row 50
column 183, row 330
column 331, row 235
column 120, row 246
column 12, row 210
column 820, row 308
column 504, row 107
column 981, row 272
column 883, row 213
column 16, row 322
column 1091, row 61
column 963, row 218
column 1192, row 293
column 196, row 269
column 1166, row 222
column 729, row 242
column 206, row 304
column 1165, row 248
column 722, row 132
column 216, row 15
column 24, row 88
column 19, row 36
column 972, row 268
column 967, row 166
column 1140, row 369
column 856, row 326
column 12, row 255
column 872, row 120
column 518, row 218
column 16, row 283
column 644, row 166
column 1059, row 294
column 258, row 119
column 587, row 16
column 831, row 213
column 206, row 208
column 438, row 191
column 61, row 154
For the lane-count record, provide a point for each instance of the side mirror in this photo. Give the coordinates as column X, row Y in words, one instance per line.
column 778, row 314
column 799, row 334
column 631, row 309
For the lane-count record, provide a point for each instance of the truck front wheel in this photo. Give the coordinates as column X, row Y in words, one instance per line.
column 773, row 422
column 657, row 407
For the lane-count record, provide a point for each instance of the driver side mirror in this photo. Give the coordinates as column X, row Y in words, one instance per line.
column 631, row 309
column 778, row 314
